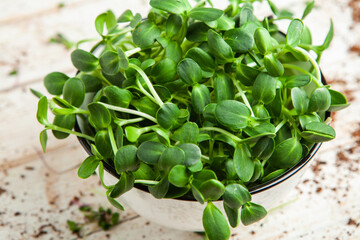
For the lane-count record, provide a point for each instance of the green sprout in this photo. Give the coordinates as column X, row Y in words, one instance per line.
column 204, row 102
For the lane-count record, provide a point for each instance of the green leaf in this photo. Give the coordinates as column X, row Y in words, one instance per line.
column 203, row 59
column 273, row 66
column 209, row 113
column 246, row 16
column 126, row 160
column 173, row 26
column 192, row 156
column 308, row 118
column 54, row 82
column 167, row 115
column 287, row 153
column 95, row 152
column 200, row 97
column 219, row 48
column 145, row 34
column 197, row 32
column 117, row 96
column 150, row 152
column 91, row 83
column 144, row 172
column 126, row 16
column 113, row 202
column 273, row 8
column 318, row 132
column 164, row 71
column 233, row 114
column 88, row 166
column 63, row 121
column 264, row 89
column 84, row 61
column 174, row 51
column 205, row 14
column 300, row 100
column 329, row 37
column 223, row 88
column 246, row 74
column 100, row 116
column 338, row 101
column 189, row 133
column 224, row 23
column 309, row 7
column 179, row 176
column 233, row 215
column 189, row 71
column 294, row 32
column 43, row 139
column 103, row 144
column 170, row 157
column 320, row 100
column 258, row 171
column 99, row 23
column 236, row 195
column 244, row 165
column 197, row 194
column 215, row 224
column 263, row 148
column 136, row 20
column 159, row 190
column 263, row 40
column 74, row 91
column 109, row 62
column 239, row 40
column 297, row 81
column 41, row 113
column 171, row 6
column 202, row 176
column 251, row 213
column 212, row 189
column 273, row 175
column 125, row 183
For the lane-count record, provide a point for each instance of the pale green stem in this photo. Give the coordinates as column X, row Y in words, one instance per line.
column 148, row 182
column 280, row 125
column 122, row 122
column 244, row 98
column 130, row 111
column 220, row 130
column 112, row 139
column 314, row 63
column 143, row 90
column 132, row 51
column 64, row 130
column 148, row 83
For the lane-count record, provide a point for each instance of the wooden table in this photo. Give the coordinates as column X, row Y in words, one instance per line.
column 40, row 192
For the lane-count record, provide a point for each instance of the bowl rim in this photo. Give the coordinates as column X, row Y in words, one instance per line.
column 253, row 190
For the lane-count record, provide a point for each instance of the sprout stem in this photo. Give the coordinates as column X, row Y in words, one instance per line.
column 230, row 135
column 65, row 130
column 148, row 83
column 112, row 139
column 244, row 98
column 279, row 126
column 314, row 63
column 122, row 122
column 132, row 51
column 148, row 182
column 130, row 111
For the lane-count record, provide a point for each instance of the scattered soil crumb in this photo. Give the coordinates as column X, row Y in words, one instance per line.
column 355, row 49
column 352, row 222
column 355, row 5
column 318, row 190
column 2, row 190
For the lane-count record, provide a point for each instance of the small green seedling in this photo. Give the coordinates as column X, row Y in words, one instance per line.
column 197, row 102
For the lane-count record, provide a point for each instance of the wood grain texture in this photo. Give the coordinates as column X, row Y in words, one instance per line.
column 40, row 192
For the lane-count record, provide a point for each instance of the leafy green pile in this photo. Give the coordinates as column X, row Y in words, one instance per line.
column 196, row 102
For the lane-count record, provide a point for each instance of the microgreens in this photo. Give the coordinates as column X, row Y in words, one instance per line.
column 195, row 101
